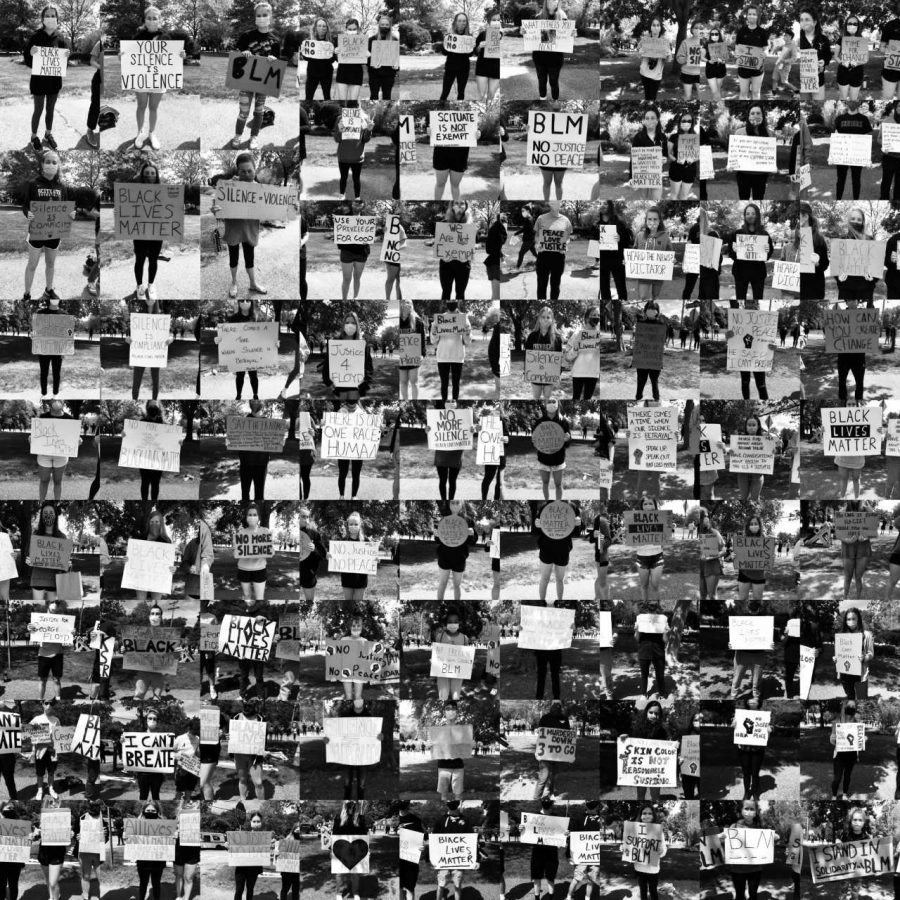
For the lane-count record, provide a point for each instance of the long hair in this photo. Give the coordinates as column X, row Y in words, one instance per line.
column 749, row 522
column 659, row 133
column 349, row 813
column 860, row 625
column 352, row 315
column 546, row 14
column 163, row 534
column 551, row 334
column 763, row 128
column 40, row 529
column 450, row 215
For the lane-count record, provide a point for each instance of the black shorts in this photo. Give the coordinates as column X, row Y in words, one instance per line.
column 689, row 79
column 495, row 565
column 454, row 159
column 349, row 73
column 851, row 76
column 308, row 579
column 256, row 576
column 50, row 665
column 715, row 70
column 49, row 245
column 683, row 172
column 744, row 578
column 650, row 562
column 749, row 73
column 548, row 558
column 409, row 875
column 894, row 559
column 186, row 856
column 544, row 868
column 51, row 856
column 892, row 75
column 601, row 562
column 209, row 753
column 455, row 565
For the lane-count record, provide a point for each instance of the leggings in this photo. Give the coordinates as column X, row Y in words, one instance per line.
column 208, row 665
column 234, row 253
column 381, row 80
column 45, row 363
column 149, row 784
column 445, row 371
column 751, row 185
column 616, row 272
column 548, row 73
column 490, row 473
column 842, row 769
column 151, row 877
column 760, row 379
column 447, row 481
column 647, row 882
column 549, row 267
column 239, row 383
column 583, row 387
column 709, row 285
column 94, row 109
column 642, row 376
column 690, row 784
column 304, row 287
column 855, row 176
column 890, row 172
column 756, row 283
column 751, row 763
column 290, row 886
column 150, row 484
column 344, row 465
column 659, row 674
column 553, row 659
column 651, row 87
column 523, row 249
column 137, row 376
column 455, row 70
column 346, row 168
column 39, row 100
column 452, row 275
column 149, row 251
column 245, row 875
column 746, row 884
column 847, row 363
column 305, row 481
column 245, row 98
column 8, row 771
column 314, row 79
column 253, row 474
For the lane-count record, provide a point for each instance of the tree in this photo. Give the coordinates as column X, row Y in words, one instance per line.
column 19, row 19
column 123, row 18
column 523, row 313
column 77, row 18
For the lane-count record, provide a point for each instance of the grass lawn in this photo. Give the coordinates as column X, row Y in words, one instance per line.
column 19, row 470
column 578, row 77
column 220, row 471
column 125, row 484
column 523, row 181
column 819, row 376
column 321, row 176
column 672, row 485
column 14, row 232
column 177, row 380
column 20, row 372
column 382, row 386
column 874, row 775
column 382, row 586
column 717, row 382
column 776, row 884
column 820, row 477
column 519, row 768
column 418, row 776
column 678, row 380
column 418, row 684
column 323, row 781
column 579, row 280
column 824, row 176
column 419, row 572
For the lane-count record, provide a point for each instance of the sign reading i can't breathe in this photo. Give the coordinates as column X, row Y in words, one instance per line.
column 851, row 430
column 556, row 139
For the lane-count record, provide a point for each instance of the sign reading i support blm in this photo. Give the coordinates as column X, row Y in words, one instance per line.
column 152, row 67
column 851, row 330
column 453, row 128
column 851, row 431
column 642, row 843
column 149, row 212
column 642, row 762
column 649, row 265
column 556, row 139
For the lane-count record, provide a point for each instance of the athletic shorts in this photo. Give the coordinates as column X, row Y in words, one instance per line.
column 50, row 665
column 254, row 576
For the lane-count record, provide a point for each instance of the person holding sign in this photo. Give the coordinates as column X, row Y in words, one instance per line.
column 650, row 134
column 852, row 122
column 843, row 761
column 359, row 708
column 812, row 284
column 850, row 73
column 409, row 323
column 807, row 635
column 150, row 685
column 649, row 557
column 493, row 247
column 351, row 150
column 715, row 69
column 349, row 76
column 353, row 687
column 50, row 307
column 652, row 67
column 492, row 471
column 612, row 262
column 650, row 725
column 251, row 569
column 548, row 63
column 855, row 287
column 382, row 77
column 707, row 276
column 350, row 393
column 552, row 459
column 683, row 171
column 90, row 822
column 353, row 584
column 350, row 821
column 690, row 57
column 44, row 89
column 890, row 174
column 50, row 654
column 811, row 38
column 249, row 766
column 144, row 250
column 154, row 530
column 392, row 268
column 150, row 478
column 543, row 336
column 290, row 881
column 43, row 753
column 151, row 306
column 456, row 64
column 750, row 485
column 690, row 783
column 787, row 56
column 710, row 562
column 748, row 578
column 449, row 633
column 407, row 869
column 601, row 537
column 746, row 877
column 497, row 322
column 651, row 631
column 856, row 550
column 449, row 162
column 553, row 553
column 750, row 272
column 453, row 558
column 319, row 68
column 450, row 347
column 455, row 273
column 652, row 236
column 650, row 316
column 47, row 186
column 752, row 185
column 247, row 311
column 43, row 581
column 852, row 623
column 487, row 71
column 150, row 31
column 648, row 871
column 750, row 753
column 51, row 857
column 553, row 231
column 890, row 72
column 583, row 352
column 150, row 871
column 751, row 34
column 53, row 467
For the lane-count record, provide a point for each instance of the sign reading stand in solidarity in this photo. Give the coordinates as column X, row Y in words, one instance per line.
column 868, row 858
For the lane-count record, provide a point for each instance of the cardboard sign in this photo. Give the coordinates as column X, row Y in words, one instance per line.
column 455, row 241
column 52, row 218
column 848, row 651
column 451, row 741
column 148, row 751
column 153, row 67
column 890, row 137
column 409, row 349
column 86, row 739
column 543, row 366
column 451, row 661
column 749, row 153
column 809, row 70
column 651, row 623
column 786, row 276
column 556, row 139
column 353, row 741
column 649, row 265
column 852, row 330
column 50, row 553
column 253, row 544
column 49, row 628
column 450, row 429
column 690, row 755
column 489, row 447
column 851, row 257
column 555, row 745
column 752, row 247
column 253, row 848
column 851, row 525
column 493, row 35
column 557, row 520
column 210, row 718
column 552, row 35
column 50, row 62
column 385, row 54
column 150, row 333
column 710, row 251
column 56, row 827
column 849, row 737
column 453, row 851
column 150, row 445
column 553, row 240
column 346, row 363
column 853, row 430
column 150, row 839
column 641, row 762
column 648, row 346
column 717, row 51
column 353, row 48
column 249, row 200
column 357, row 557
column 751, row 632
column 850, row 150
column 149, row 212
column 354, row 229
column 247, row 346
column 753, row 552
column 317, row 49
column 8, row 566
column 244, row 638
column 407, row 146
column 189, row 828
column 255, row 75
column 505, row 356
column 688, row 147
column 453, row 128
column 868, row 858
column 643, row 527
column 15, row 840
column 247, row 736
column 753, row 454
column 585, row 847
column 52, row 335
column 55, row 436
column 148, row 566
column 646, row 167
column 545, row 628
column 390, row 247
column 452, row 531
column 548, row 831
column 749, row 57
column 350, row 435
column 654, row 48
column 854, row 51
column 749, row 846
column 10, row 733
column 709, row 547
column 892, row 443
column 707, row 168
column 450, row 323
column 411, row 843
column 751, row 726
column 642, row 843
column 92, row 836
column 459, row 43
column 604, row 628
column 256, row 434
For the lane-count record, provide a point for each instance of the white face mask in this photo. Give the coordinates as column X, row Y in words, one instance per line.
column 349, row 329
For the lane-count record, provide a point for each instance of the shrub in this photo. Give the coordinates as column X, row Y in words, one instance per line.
column 413, row 35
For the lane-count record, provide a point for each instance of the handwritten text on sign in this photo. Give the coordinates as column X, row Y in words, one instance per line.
column 751, row 726
column 489, row 448
column 855, row 525
column 51, row 62
column 149, row 212
column 150, row 839
column 350, row 435
column 851, row 330
column 247, row 200
column 749, row 846
column 411, row 845
column 247, row 346
column 453, row 851
column 253, row 544
column 451, row 661
column 690, row 754
column 555, row 744
column 751, row 632
column 455, row 241
column 52, row 335
column 354, row 229
column 456, row 128
column 150, row 445
column 55, row 436
column 247, row 736
column 751, row 247
column 252, row 848
column 50, row 552
column 549, row 831
column 353, row 741
column 149, row 335
column 586, row 847
column 451, row 741
column 543, row 366
column 854, row 859
column 749, row 347
column 148, row 566
column 52, row 219
column 642, row 843
column 15, row 840
column 148, row 751
column 450, row 429
column 642, row 762
column 786, row 276
column 546, row 628
column 459, row 43
column 152, row 67
column 51, row 629
column 649, row 265
column 854, row 51
column 850, row 149
column 556, row 139
column 551, row 35
column 753, row 552
column 358, row 557
column 256, row 434
column 557, row 520
column 853, row 430
column 848, row 651
column 653, row 526
column 748, row 153
column 346, row 363
column 257, row 75
column 246, row 637
column 849, row 737
column 852, row 257
column 646, row 167
column 385, row 53
column 648, row 348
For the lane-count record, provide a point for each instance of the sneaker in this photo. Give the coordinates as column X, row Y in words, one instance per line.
column 52, row 793
column 26, row 297
column 151, row 292
column 92, row 138
column 140, row 292
column 50, row 294
column 235, row 142
column 36, row 143
column 50, row 141
column 140, row 140
column 254, row 143
column 154, row 141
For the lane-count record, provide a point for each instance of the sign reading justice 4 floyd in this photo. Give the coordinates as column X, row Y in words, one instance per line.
column 642, row 762
column 149, row 212
column 557, row 139
column 851, row 430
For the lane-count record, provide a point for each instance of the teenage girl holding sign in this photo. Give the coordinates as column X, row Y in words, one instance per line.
column 456, row 65
column 691, row 59
column 852, row 623
column 319, row 71
column 548, row 63
column 252, row 571
column 44, row 88
column 349, row 76
column 751, row 34
column 843, row 761
column 543, row 336
column 651, row 70
column 487, row 71
column 453, row 559
column 746, row 878
column 410, row 323
column 811, row 38
column 553, row 557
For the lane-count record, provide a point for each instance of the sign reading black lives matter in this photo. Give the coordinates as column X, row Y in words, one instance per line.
column 851, row 430
column 247, row 637
column 149, row 212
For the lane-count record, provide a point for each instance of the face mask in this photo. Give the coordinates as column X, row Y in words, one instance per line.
column 593, row 322
column 754, row 529
column 358, row 705
column 452, row 627
column 349, row 329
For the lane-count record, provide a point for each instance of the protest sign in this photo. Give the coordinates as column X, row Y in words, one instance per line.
column 247, row 736
column 449, row 429
column 50, row 553
column 92, row 836
column 150, row 445
column 49, row 628
column 851, row 257
column 493, row 35
column 650, row 455
column 451, row 661
column 411, row 843
column 385, row 54
column 585, row 847
column 608, row 237
column 150, row 333
column 854, row 51
column 316, row 49
column 853, row 430
column 649, row 265
column 453, row 851
column 287, row 858
column 642, row 762
column 86, row 737
column 751, row 632
column 707, row 167
column 543, row 366
column 851, row 330
column 545, row 628
column 255, row 75
column 848, row 651
column 450, row 323
column 409, row 349
column 62, row 738
column 55, row 436
column 391, row 250
column 709, row 447
column 644, row 527
column 354, row 230
column 149, row 212
column 353, row 48
column 150, row 839
column 642, row 843
column 247, row 346
column 548, row 831
column 646, row 167
column 849, row 149
column 749, row 846
column 459, row 43
column 651, row 623
column 350, row 435
column 489, row 445
column 850, row 525
column 648, row 345
column 868, row 858
column 505, row 356
column 106, row 650
column 717, row 51
column 654, row 48
column 892, row 444
column 555, row 745
column 805, row 250
column 688, row 147
column 453, row 128
column 751, row 726
column 849, row 737
column 711, row 853
column 749, row 57
column 557, row 139
column 353, row 741
column 210, row 717
column 256, row 433
column 8, row 567
column 604, row 628
column 551, row 35
column 690, row 262
column 52, row 335
column 189, row 828
column 56, row 827
column 49, row 62
column 252, row 200
column 246, row 637
column 288, row 646
column 548, row 437
column 153, row 67
column 358, row 557
column 890, row 137
column 253, row 544
column 451, row 741
column 455, row 241
column 809, row 70
column 407, row 147
column 753, row 248
column 148, row 566
column 10, row 733
column 148, row 751
column 253, row 848
column 553, row 240
column 52, row 219
column 15, row 840
column 557, row 520
column 786, row 276
column 690, row 754
column 753, row 552
column 710, row 251
column 749, row 153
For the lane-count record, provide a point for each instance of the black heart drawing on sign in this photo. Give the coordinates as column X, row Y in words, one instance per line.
column 350, row 853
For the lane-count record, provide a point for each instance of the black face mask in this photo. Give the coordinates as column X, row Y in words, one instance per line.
column 594, row 322
column 452, row 305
